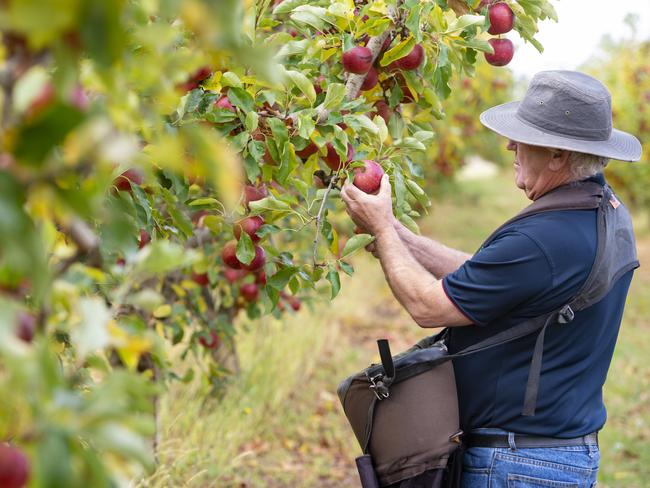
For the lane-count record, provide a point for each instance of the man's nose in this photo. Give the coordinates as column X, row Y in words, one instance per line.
column 512, row 145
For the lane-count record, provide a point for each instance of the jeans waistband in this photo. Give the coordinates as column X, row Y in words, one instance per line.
column 499, row 438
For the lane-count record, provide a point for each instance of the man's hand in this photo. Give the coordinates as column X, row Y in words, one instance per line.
column 371, row 212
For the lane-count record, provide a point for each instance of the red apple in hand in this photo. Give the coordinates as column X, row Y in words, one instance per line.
column 357, row 60
column 368, row 177
column 250, row 225
column 501, row 18
column 14, row 467
column 229, row 255
column 332, row 158
column 503, row 52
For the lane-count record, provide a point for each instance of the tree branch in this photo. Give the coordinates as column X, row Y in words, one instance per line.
column 319, row 219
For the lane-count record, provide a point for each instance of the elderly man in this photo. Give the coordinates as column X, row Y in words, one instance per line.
column 561, row 134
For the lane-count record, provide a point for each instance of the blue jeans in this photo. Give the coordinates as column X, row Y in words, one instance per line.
column 555, row 467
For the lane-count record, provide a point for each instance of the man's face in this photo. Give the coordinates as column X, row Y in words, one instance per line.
column 531, row 163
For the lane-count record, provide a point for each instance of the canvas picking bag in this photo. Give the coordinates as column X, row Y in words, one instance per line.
column 404, row 411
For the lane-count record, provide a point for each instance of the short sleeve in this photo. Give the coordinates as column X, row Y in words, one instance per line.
column 509, row 271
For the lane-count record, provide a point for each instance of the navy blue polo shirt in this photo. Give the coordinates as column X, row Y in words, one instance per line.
column 533, row 266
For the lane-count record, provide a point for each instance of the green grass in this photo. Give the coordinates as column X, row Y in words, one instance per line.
column 280, row 425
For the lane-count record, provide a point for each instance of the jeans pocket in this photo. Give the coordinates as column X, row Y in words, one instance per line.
column 522, row 481
column 475, row 478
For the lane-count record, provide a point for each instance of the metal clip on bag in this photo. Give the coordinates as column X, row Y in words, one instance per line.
column 404, row 411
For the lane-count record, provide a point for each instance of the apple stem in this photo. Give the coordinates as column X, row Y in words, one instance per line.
column 319, row 220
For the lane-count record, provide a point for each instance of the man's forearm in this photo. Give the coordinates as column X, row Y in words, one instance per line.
column 436, row 258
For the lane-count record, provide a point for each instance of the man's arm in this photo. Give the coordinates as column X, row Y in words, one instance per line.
column 419, row 292
column 436, row 258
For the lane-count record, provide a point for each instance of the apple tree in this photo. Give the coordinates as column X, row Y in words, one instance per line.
column 168, row 165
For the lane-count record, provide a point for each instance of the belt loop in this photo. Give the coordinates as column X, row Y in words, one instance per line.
column 511, row 441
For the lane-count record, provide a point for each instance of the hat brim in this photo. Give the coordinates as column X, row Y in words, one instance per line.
column 503, row 120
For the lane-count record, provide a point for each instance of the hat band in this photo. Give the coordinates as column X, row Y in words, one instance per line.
column 572, row 132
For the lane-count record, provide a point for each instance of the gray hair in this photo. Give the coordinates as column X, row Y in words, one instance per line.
column 583, row 165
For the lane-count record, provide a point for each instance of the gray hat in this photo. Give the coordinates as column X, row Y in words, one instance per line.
column 564, row 110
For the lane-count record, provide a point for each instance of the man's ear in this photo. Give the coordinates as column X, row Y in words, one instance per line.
column 559, row 159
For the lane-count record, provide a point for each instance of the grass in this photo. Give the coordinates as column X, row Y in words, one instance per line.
column 280, row 425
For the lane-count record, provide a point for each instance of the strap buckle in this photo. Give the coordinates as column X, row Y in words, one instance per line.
column 378, row 387
column 565, row 315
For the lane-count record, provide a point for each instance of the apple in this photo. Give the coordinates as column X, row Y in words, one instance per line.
column 233, row 275
column 44, row 99
column 317, row 181
column 318, row 85
column 203, row 73
column 503, row 52
column 14, row 467
column 371, row 80
column 145, row 238
column 130, row 176
column 209, row 341
column 412, row 60
column 201, row 279
column 309, row 149
column 295, row 303
column 253, row 193
column 332, row 158
column 250, row 225
column 258, row 261
column 224, row 102
column 26, row 327
column 383, row 110
column 368, row 177
column 260, row 278
column 250, row 292
column 357, row 60
column 229, row 255
column 501, row 18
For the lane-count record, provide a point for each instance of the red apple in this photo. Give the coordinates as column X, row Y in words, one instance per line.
column 232, row 275
column 412, row 60
column 201, row 279
column 357, row 60
column 383, row 110
column 295, row 303
column 371, row 80
column 229, row 255
column 258, row 261
column 130, row 176
column 318, row 182
column 250, row 225
column 209, row 340
column 317, row 86
column 503, row 52
column 254, row 193
column 250, row 292
column 145, row 238
column 332, row 158
column 44, row 99
column 26, row 327
column 501, row 18
column 203, row 73
column 14, row 467
column 310, row 149
column 224, row 102
column 368, row 177
column 260, row 278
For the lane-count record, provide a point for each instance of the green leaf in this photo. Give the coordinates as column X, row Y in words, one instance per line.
column 252, row 121
column 347, row 268
column 398, row 52
column 334, row 280
column 231, row 79
column 418, row 193
column 280, row 279
column 304, row 84
column 316, row 17
column 465, row 21
column 241, row 99
column 335, row 95
column 355, row 243
column 245, row 249
column 205, row 202
column 268, row 203
column 162, row 256
column 287, row 6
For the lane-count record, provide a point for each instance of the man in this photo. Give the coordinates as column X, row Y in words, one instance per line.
column 561, row 133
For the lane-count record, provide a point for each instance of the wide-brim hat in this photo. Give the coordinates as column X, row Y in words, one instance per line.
column 564, row 110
